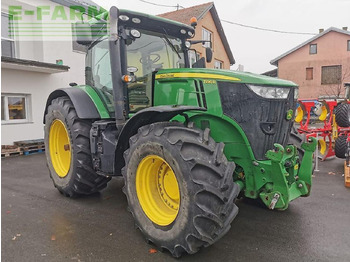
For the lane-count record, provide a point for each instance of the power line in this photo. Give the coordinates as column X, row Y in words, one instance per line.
column 266, row 29
column 176, row 6
column 238, row 24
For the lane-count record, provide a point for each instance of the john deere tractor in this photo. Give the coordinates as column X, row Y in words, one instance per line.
column 187, row 140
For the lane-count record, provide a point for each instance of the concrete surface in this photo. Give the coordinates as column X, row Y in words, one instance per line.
column 39, row 224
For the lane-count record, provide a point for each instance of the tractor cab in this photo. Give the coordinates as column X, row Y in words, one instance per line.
column 148, row 44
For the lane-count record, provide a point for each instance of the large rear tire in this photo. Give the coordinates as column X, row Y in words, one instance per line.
column 67, row 143
column 342, row 115
column 179, row 187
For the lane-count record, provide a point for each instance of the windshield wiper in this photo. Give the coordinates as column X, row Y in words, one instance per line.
column 171, row 45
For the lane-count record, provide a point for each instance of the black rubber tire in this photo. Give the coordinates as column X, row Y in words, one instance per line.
column 81, row 178
column 297, row 139
column 342, row 115
column 341, row 147
column 207, row 190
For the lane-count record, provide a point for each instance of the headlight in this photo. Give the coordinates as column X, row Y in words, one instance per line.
column 270, row 91
column 124, row 18
column 188, row 44
column 135, row 33
column 136, row 20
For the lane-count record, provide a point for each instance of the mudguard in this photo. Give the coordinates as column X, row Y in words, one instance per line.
column 145, row 117
column 83, row 104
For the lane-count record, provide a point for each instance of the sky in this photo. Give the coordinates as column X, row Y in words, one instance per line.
column 254, row 49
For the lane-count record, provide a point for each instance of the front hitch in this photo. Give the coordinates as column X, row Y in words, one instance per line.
column 288, row 180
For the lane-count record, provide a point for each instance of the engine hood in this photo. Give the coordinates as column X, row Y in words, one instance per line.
column 222, row 75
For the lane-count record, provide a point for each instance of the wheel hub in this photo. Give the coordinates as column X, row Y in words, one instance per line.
column 59, row 145
column 157, row 190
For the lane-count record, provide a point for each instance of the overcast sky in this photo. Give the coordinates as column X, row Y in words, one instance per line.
column 254, row 48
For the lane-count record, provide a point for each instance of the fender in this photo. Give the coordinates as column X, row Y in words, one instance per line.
column 83, row 99
column 145, row 117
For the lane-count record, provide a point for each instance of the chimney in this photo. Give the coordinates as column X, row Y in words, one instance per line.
column 345, row 28
column 320, row 30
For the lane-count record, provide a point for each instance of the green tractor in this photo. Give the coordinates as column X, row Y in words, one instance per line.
column 187, row 140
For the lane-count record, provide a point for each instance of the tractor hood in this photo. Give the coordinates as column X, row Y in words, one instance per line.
column 223, row 75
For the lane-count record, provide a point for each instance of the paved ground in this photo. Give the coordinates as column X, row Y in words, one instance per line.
column 39, row 224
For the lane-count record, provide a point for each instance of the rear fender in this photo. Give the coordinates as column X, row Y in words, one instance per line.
column 84, row 100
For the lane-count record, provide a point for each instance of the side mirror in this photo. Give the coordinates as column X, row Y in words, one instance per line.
column 208, row 54
column 82, row 33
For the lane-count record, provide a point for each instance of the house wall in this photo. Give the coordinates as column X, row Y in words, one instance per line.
column 331, row 50
column 38, row 85
column 218, row 48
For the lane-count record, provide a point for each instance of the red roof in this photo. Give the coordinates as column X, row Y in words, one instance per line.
column 184, row 15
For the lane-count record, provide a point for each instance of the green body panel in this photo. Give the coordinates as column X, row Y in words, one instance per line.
column 277, row 180
column 100, row 106
column 244, row 77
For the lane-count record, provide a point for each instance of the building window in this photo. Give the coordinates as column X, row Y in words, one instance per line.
column 348, row 45
column 331, row 75
column 313, row 49
column 14, row 108
column 218, row 64
column 207, row 36
column 309, row 73
column 7, row 41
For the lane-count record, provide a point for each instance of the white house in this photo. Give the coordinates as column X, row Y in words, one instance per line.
column 37, row 57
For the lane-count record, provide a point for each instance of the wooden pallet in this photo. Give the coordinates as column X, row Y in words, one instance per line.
column 26, row 147
column 33, row 151
column 7, row 151
column 32, row 147
column 28, row 143
column 346, row 175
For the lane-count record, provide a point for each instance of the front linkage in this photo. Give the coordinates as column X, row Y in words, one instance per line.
column 281, row 178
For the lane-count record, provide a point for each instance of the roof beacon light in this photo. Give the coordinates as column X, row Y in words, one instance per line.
column 193, row 21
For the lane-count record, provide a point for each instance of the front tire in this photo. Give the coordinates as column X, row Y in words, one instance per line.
column 191, row 171
column 67, row 143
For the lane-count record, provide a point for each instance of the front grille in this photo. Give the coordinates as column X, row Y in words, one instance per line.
column 263, row 120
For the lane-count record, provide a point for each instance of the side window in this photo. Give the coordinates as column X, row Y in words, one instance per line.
column 101, row 66
column 101, row 75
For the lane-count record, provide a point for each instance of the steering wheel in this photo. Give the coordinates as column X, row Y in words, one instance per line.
column 148, row 59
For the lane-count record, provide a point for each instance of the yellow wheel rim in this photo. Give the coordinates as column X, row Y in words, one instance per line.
column 157, row 190
column 60, row 148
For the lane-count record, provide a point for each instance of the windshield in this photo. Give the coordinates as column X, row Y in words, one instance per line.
column 151, row 52
column 154, row 51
